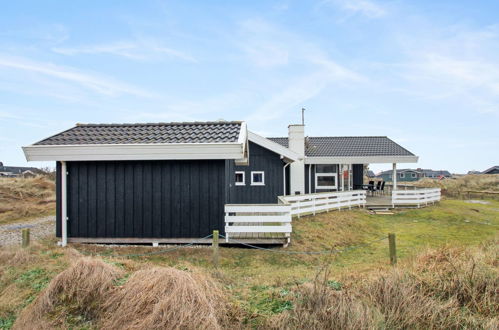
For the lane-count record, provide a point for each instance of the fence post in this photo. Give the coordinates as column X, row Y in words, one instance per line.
column 214, row 246
column 25, row 237
column 393, row 248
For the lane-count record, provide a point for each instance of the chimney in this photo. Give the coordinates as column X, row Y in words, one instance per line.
column 296, row 141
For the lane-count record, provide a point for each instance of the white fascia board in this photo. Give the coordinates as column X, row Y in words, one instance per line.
column 273, row 146
column 158, row 151
column 361, row 160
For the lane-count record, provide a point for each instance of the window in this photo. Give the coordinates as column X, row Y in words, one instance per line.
column 325, row 168
column 402, row 175
column 257, row 178
column 414, row 175
column 240, row 178
column 326, row 180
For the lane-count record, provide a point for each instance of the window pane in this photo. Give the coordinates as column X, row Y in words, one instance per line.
column 239, row 177
column 325, row 168
column 325, row 181
column 257, row 177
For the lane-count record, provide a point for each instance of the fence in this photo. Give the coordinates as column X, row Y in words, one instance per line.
column 320, row 202
column 257, row 218
column 415, row 197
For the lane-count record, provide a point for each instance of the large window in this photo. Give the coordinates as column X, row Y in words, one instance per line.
column 240, row 178
column 257, row 178
column 326, row 181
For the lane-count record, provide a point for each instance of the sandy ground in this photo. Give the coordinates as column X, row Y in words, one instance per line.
column 10, row 234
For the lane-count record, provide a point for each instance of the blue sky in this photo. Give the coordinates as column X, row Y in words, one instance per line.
column 424, row 73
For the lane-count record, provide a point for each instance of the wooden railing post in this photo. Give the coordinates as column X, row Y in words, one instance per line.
column 25, row 237
column 393, row 248
column 214, row 246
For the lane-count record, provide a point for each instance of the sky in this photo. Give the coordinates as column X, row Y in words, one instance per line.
column 424, row 73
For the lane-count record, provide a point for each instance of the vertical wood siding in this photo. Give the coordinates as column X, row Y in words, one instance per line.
column 144, row 199
column 260, row 159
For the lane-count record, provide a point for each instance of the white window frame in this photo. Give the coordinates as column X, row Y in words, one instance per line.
column 402, row 175
column 414, row 175
column 317, row 175
column 244, row 178
column 258, row 183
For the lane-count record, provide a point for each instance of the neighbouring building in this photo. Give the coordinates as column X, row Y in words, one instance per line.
column 408, row 175
column 492, row 170
column 14, row 171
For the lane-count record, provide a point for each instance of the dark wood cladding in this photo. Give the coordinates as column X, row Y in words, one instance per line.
column 144, row 199
column 261, row 159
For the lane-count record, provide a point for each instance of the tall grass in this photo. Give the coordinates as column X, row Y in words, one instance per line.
column 447, row 288
column 26, row 197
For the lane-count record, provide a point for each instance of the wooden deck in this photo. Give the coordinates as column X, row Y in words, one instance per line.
column 379, row 201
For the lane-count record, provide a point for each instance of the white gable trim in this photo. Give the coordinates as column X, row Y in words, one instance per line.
column 157, row 151
column 361, row 160
column 272, row 146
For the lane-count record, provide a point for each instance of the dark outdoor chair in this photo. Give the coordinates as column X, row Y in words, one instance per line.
column 382, row 189
column 378, row 186
column 370, row 187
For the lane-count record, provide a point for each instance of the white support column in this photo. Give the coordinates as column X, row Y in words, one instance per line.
column 394, row 176
column 342, row 177
column 64, row 204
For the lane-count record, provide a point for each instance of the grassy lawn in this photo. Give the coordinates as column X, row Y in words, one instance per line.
column 260, row 281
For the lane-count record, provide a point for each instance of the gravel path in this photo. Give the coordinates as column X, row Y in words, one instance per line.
column 10, row 234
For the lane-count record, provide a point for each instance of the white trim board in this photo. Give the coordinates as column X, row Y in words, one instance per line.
column 157, row 151
column 273, row 146
column 361, row 160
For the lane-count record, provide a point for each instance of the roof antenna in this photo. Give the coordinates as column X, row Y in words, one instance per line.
column 303, row 116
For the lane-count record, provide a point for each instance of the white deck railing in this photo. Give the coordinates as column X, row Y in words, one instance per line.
column 257, row 218
column 321, row 202
column 415, row 197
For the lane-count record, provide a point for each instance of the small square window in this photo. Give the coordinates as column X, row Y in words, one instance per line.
column 402, row 175
column 240, row 178
column 414, row 175
column 257, row 178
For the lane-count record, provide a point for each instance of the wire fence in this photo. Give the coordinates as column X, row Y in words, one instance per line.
column 323, row 252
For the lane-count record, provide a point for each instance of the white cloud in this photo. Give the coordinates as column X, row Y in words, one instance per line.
column 141, row 49
column 363, row 7
column 273, row 48
column 97, row 83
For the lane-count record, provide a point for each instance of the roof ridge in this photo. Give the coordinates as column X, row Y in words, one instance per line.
column 159, row 123
column 340, row 136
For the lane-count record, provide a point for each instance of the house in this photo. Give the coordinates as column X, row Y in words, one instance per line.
column 492, row 170
column 169, row 182
column 370, row 174
column 407, row 175
column 14, row 171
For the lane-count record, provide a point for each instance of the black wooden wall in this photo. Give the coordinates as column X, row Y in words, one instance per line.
column 358, row 175
column 261, row 159
column 145, row 199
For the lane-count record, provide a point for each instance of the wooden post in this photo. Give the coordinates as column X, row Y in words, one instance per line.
column 393, row 248
column 215, row 248
column 25, row 237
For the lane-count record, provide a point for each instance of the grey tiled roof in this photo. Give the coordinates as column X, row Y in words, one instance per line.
column 193, row 132
column 349, row 146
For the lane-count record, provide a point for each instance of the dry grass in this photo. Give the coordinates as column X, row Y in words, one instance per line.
column 166, row 298
column 447, row 288
column 473, row 182
column 78, row 291
column 91, row 294
column 26, row 197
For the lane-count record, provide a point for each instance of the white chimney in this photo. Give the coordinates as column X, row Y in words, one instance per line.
column 296, row 140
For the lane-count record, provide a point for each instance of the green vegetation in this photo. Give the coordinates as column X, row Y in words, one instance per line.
column 268, row 288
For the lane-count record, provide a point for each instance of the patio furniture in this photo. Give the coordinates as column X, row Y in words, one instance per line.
column 378, row 186
column 382, row 189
